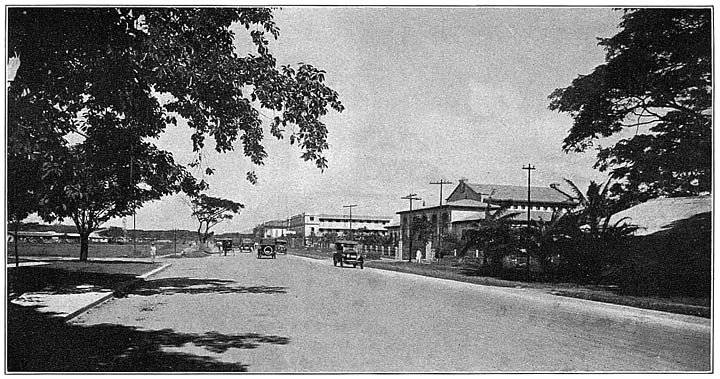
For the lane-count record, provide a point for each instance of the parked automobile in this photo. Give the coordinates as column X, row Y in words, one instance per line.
column 281, row 246
column 267, row 249
column 247, row 244
column 346, row 254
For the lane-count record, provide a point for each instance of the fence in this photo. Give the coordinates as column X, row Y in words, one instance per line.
column 380, row 250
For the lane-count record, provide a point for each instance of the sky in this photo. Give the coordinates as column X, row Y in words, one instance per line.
column 430, row 93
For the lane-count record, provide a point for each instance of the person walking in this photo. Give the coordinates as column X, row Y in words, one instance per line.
column 153, row 251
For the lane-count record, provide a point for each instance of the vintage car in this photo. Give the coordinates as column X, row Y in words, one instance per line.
column 224, row 245
column 267, row 249
column 345, row 254
column 281, row 246
column 247, row 244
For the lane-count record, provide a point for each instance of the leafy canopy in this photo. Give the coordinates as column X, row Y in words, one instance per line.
column 123, row 60
column 210, row 211
column 113, row 79
column 657, row 76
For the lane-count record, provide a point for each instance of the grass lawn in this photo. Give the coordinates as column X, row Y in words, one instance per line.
column 29, row 249
column 65, row 276
column 682, row 305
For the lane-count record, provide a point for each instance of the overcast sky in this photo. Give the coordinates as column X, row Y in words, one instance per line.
column 430, row 93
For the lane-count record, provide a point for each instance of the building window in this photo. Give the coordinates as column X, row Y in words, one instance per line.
column 312, row 218
column 312, row 229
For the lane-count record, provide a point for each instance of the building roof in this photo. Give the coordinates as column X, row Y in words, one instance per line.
column 275, row 224
column 467, row 203
column 394, row 223
column 519, row 193
column 468, row 217
column 663, row 214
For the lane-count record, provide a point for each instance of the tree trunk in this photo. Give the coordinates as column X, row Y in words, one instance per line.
column 84, row 242
column 201, row 235
column 17, row 258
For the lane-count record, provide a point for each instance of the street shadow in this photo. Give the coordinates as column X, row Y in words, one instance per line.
column 171, row 286
column 40, row 343
column 58, row 281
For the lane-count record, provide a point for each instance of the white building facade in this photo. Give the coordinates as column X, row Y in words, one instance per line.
column 310, row 225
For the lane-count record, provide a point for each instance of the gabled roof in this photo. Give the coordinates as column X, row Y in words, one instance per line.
column 519, row 193
column 663, row 214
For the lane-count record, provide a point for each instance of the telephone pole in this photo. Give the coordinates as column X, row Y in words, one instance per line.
column 411, row 197
column 441, row 182
column 529, row 168
column 351, row 206
column 438, row 229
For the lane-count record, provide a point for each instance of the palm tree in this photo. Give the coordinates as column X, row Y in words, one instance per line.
column 588, row 245
column 493, row 235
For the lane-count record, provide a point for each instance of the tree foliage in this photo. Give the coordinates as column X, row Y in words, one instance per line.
column 122, row 59
column 103, row 178
column 587, row 246
column 116, row 78
column 657, row 75
column 210, row 211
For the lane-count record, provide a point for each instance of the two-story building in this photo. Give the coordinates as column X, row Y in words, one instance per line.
column 312, row 225
column 468, row 203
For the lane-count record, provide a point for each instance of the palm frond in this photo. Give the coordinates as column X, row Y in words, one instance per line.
column 578, row 193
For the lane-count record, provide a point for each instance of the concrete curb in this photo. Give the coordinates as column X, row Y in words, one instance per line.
column 120, row 287
column 155, row 271
column 84, row 308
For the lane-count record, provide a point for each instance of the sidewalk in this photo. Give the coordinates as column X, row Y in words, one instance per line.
column 83, row 297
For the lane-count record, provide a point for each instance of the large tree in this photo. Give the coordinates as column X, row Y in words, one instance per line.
column 103, row 178
column 656, row 83
column 210, row 211
column 131, row 72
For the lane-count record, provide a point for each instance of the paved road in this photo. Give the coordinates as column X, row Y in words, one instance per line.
column 297, row 314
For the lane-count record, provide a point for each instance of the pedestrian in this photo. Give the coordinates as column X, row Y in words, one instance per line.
column 153, row 251
column 418, row 255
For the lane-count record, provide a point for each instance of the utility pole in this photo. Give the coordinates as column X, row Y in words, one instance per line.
column 441, row 182
column 411, row 197
column 438, row 230
column 529, row 168
column 351, row 206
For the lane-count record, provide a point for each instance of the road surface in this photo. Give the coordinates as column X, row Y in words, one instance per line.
column 295, row 314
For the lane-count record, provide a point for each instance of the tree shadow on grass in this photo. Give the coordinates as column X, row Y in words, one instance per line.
column 57, row 281
column 171, row 286
column 38, row 342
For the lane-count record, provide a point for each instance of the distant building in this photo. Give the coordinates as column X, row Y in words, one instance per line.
column 52, row 236
column 312, row 225
column 271, row 229
column 468, row 203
